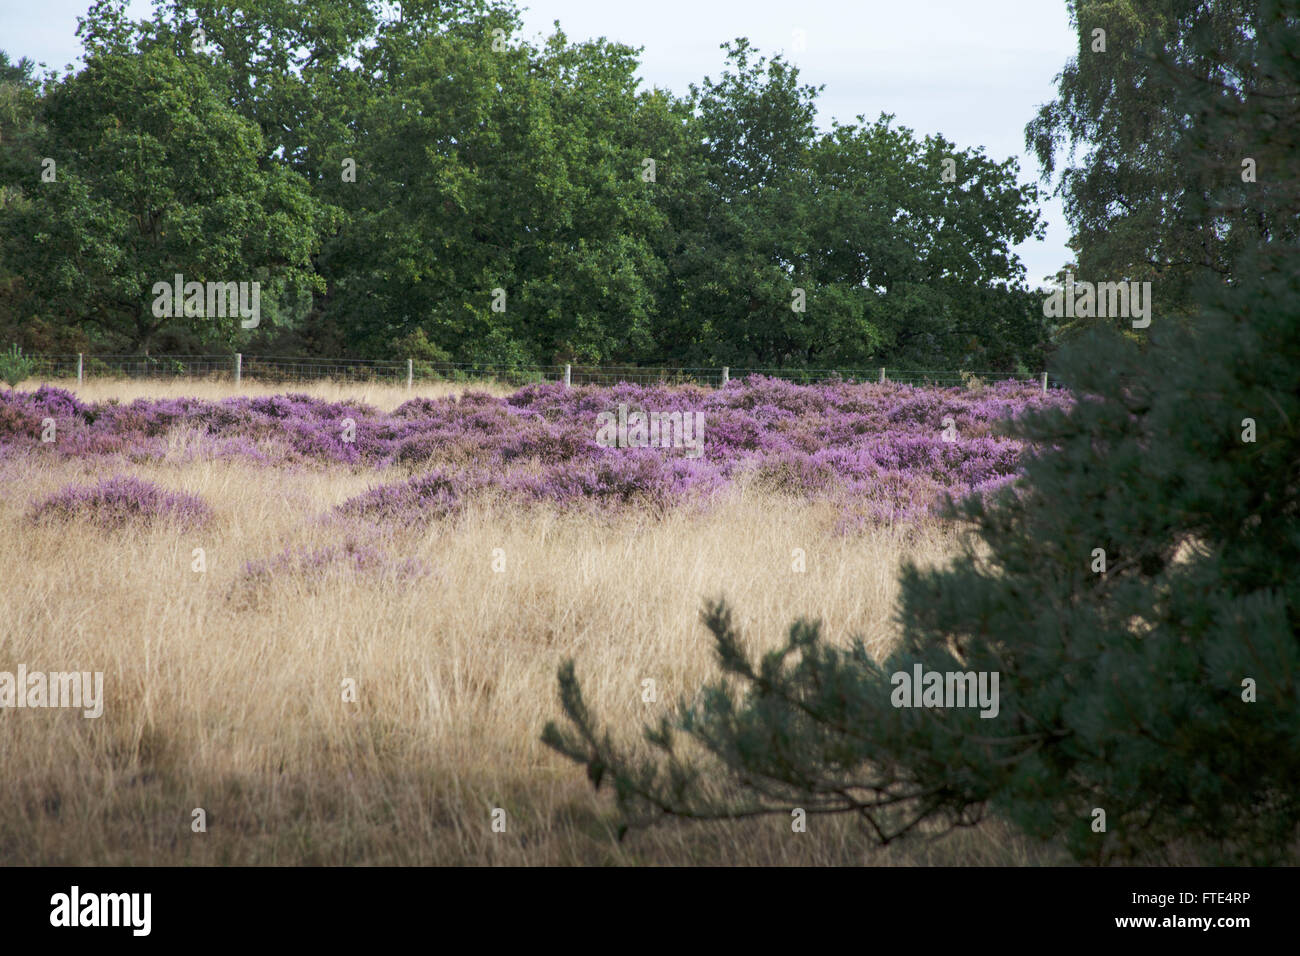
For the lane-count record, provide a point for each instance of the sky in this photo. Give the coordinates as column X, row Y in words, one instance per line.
column 974, row 71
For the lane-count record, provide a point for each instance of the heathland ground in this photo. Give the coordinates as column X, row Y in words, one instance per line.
column 225, row 688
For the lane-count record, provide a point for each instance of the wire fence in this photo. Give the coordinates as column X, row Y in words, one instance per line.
column 412, row 372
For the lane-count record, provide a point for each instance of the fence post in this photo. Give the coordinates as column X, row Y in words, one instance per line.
column 80, row 369
column 239, row 366
column 726, row 374
column 1044, row 383
column 882, row 376
column 568, row 376
column 410, row 372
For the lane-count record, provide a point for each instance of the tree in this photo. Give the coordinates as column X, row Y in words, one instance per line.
column 294, row 70
column 917, row 236
column 512, row 169
column 743, row 248
column 1136, row 101
column 289, row 67
column 153, row 175
column 901, row 248
column 1132, row 592
column 20, row 132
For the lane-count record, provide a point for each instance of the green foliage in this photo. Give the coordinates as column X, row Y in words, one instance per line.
column 899, row 263
column 213, row 141
column 15, row 367
column 799, row 736
column 1154, row 194
column 511, row 170
column 154, row 175
column 417, row 346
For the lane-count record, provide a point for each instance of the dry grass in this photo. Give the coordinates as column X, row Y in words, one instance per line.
column 234, row 704
column 379, row 394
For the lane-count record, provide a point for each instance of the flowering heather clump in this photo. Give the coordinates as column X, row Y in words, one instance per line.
column 121, row 500
column 434, row 495
column 880, row 450
column 624, row 476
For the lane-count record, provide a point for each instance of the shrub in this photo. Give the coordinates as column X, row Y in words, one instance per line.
column 15, row 367
column 119, row 501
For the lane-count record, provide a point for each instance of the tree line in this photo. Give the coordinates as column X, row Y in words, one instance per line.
column 428, row 184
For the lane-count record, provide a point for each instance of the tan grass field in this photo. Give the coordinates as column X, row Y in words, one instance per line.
column 379, row 394
column 227, row 696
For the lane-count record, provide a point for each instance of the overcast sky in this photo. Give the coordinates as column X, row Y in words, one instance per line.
column 973, row 70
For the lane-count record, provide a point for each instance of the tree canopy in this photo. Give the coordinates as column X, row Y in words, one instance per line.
column 431, row 184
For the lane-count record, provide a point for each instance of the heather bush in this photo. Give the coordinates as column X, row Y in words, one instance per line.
column 433, row 495
column 120, row 501
column 878, row 449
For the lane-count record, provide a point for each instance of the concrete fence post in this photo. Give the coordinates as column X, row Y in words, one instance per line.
column 726, row 374
column 239, row 366
column 1044, row 383
column 80, row 369
column 410, row 372
column 882, row 376
column 568, row 376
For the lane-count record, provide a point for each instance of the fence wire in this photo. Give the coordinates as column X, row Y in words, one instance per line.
column 289, row 369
